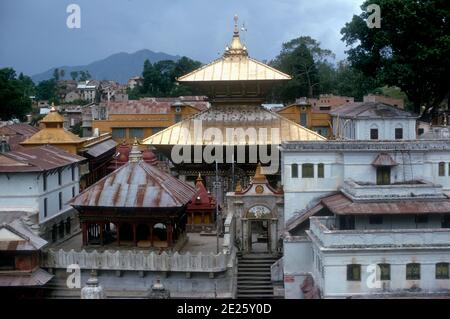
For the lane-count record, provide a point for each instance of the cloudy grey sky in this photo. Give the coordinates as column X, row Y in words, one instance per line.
column 34, row 36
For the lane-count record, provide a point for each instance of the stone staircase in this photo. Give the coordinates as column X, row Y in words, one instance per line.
column 253, row 279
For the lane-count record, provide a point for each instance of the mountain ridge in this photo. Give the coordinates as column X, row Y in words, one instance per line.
column 118, row 67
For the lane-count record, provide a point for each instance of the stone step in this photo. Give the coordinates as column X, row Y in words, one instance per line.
column 253, row 279
column 254, row 287
column 252, row 274
column 255, row 292
column 253, row 269
column 254, row 296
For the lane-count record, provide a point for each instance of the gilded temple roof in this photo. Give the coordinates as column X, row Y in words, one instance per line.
column 234, row 65
column 237, row 118
column 53, row 132
column 53, row 136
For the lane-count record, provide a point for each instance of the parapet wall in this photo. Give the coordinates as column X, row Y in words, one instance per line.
column 137, row 261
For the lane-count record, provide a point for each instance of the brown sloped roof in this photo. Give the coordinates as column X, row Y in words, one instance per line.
column 18, row 237
column 370, row 110
column 38, row 277
column 36, row 159
column 136, row 184
column 384, row 159
column 342, row 205
column 154, row 105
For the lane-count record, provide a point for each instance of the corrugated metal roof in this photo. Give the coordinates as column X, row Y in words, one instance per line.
column 101, row 148
column 16, row 236
column 370, row 110
column 342, row 205
column 225, row 117
column 38, row 277
column 20, row 128
column 136, row 184
column 153, row 105
column 36, row 159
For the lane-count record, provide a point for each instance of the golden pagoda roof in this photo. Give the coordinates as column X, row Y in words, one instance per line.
column 53, row 116
column 235, row 117
column 53, row 136
column 234, row 65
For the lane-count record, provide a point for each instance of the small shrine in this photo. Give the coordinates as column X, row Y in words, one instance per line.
column 258, row 210
column 201, row 209
column 136, row 205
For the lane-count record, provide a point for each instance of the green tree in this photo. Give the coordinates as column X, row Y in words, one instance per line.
column 411, row 50
column 62, row 73
column 352, row 82
column 302, row 58
column 160, row 78
column 56, row 74
column 27, row 85
column 14, row 98
column 84, row 75
column 74, row 75
column 47, row 90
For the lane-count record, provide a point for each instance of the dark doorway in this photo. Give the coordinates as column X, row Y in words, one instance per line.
column 142, row 232
column 383, row 175
column 126, row 232
column 259, row 236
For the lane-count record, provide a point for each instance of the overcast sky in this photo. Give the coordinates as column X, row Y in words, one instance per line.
column 34, row 36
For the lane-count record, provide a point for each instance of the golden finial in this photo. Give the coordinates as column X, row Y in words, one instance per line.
column 259, row 176
column 53, row 109
column 238, row 187
column 199, row 178
column 236, row 48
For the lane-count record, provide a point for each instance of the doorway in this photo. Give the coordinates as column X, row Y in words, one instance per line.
column 259, row 240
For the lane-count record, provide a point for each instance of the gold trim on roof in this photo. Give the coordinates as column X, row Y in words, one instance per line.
column 234, row 65
column 234, row 117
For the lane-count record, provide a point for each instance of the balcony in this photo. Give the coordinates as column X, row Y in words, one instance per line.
column 417, row 189
column 324, row 230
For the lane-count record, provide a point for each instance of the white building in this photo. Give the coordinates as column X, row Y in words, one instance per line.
column 41, row 181
column 373, row 121
column 88, row 90
column 355, row 207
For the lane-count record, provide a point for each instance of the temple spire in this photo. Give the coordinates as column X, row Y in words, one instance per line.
column 236, row 48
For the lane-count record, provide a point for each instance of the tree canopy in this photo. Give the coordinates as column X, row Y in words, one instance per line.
column 15, row 93
column 160, row 78
column 411, row 50
column 313, row 73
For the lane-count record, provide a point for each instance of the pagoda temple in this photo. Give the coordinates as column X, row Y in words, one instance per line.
column 98, row 150
column 236, row 85
column 136, row 205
